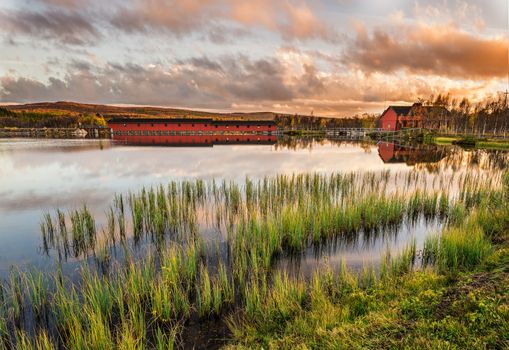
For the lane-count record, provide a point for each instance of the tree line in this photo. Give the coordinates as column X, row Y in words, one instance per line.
column 488, row 116
column 300, row 122
column 35, row 119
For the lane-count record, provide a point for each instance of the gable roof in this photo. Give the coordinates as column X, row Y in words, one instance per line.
column 399, row 110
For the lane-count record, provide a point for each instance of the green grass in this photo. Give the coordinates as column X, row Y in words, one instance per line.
column 441, row 140
column 493, row 144
column 472, row 142
column 145, row 302
column 458, row 300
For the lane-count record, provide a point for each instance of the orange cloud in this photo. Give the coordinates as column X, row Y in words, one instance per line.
column 441, row 50
column 292, row 19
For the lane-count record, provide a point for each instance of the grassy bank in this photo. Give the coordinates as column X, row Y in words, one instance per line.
column 458, row 300
column 484, row 143
column 149, row 301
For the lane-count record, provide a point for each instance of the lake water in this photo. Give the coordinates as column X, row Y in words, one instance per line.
column 39, row 175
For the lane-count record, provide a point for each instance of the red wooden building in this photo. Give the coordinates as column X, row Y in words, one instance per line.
column 144, row 126
column 415, row 116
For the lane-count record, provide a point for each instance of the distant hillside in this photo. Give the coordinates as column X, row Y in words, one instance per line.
column 72, row 114
column 127, row 111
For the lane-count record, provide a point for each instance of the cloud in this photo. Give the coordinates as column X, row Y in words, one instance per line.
column 67, row 3
column 175, row 16
column 442, row 50
column 67, row 27
column 240, row 83
column 194, row 82
column 292, row 19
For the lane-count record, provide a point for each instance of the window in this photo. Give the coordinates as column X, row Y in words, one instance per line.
column 206, row 126
column 152, row 124
column 216, row 126
column 248, row 126
column 138, row 124
column 165, row 125
column 237, row 126
column 179, row 124
column 192, row 125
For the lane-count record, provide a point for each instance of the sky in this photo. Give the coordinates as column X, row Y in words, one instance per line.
column 326, row 57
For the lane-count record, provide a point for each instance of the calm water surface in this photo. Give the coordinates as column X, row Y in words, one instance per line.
column 37, row 176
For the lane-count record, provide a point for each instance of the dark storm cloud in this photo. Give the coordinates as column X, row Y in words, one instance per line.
column 438, row 50
column 67, row 27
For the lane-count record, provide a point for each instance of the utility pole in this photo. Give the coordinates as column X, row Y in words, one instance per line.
column 506, row 92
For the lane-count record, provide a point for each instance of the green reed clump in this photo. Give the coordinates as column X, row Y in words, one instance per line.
column 285, row 297
column 118, row 203
column 48, row 230
column 457, row 248
column 67, row 309
column 97, row 334
column 15, row 295
column 204, row 297
column 404, row 262
column 83, row 231
column 4, row 328
column 110, row 224
column 62, row 225
column 253, row 295
column 96, row 292
column 35, row 285
column 167, row 339
column 136, row 204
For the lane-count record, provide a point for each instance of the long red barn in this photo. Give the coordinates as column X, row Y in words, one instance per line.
column 159, row 126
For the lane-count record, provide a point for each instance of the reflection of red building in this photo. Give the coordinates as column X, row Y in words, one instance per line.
column 196, row 140
column 415, row 116
column 392, row 153
column 141, row 126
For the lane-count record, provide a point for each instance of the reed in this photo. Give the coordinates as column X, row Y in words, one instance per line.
column 44, row 342
column 285, row 298
column 204, row 296
column 36, row 287
column 457, row 248
column 166, row 340
column 143, row 301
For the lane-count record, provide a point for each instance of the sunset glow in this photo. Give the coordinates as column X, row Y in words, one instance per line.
column 329, row 57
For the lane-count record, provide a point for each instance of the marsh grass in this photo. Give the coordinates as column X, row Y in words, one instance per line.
column 143, row 301
column 457, row 249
